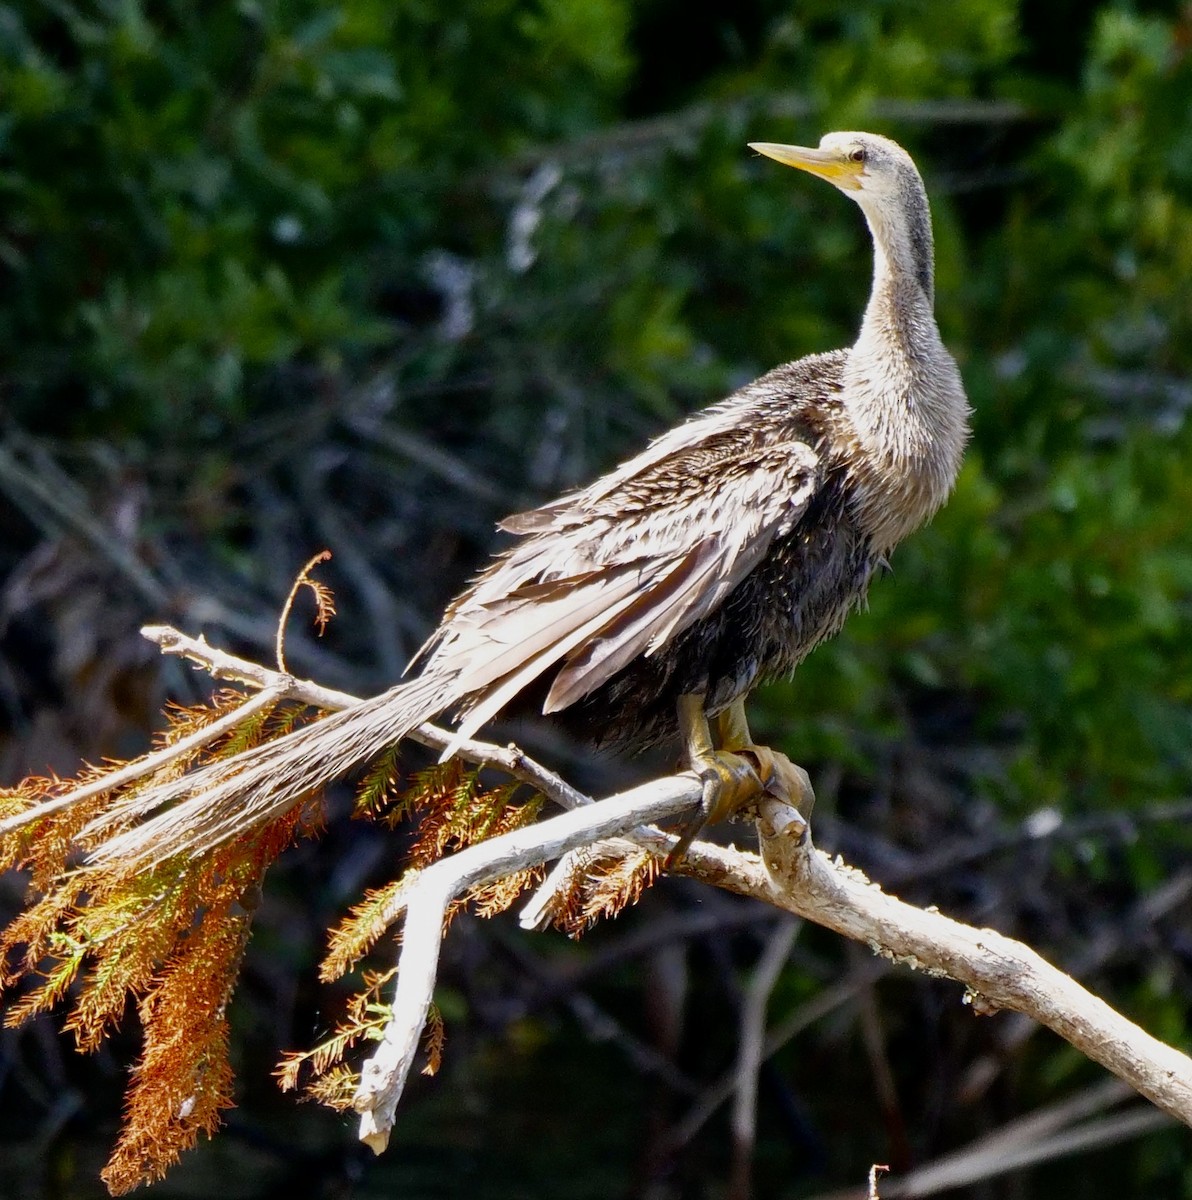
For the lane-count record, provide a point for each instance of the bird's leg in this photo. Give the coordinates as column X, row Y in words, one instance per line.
column 736, row 772
column 729, row 780
column 779, row 776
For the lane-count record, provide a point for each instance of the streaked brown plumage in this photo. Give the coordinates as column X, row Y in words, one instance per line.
column 717, row 558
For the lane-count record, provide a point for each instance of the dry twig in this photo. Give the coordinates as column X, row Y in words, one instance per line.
column 1067, row 1127
column 751, row 1052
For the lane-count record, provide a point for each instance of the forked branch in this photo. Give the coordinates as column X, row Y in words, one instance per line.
column 996, row 971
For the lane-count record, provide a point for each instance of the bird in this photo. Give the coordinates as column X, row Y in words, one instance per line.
column 650, row 603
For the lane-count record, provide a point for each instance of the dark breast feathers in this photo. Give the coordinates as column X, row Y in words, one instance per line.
column 717, row 558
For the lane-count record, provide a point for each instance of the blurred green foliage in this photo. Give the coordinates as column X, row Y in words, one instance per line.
column 529, row 211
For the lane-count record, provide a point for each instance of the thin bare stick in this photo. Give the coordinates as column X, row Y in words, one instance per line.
column 539, row 909
column 751, row 1055
column 146, row 765
column 222, row 665
column 537, row 913
column 881, row 1073
column 874, row 1171
column 302, row 580
column 990, row 1157
column 823, row 1004
column 1106, row 1131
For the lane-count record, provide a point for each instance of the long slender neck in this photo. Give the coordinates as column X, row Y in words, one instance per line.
column 902, row 390
column 900, row 310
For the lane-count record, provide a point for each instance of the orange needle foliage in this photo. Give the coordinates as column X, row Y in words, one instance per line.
column 172, row 938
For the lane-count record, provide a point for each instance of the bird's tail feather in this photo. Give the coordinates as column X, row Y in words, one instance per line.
column 206, row 808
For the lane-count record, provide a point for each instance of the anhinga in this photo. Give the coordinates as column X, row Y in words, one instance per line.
column 655, row 599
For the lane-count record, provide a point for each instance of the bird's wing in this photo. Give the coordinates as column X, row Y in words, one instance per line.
column 621, row 570
column 704, row 427
column 715, row 542
column 816, row 377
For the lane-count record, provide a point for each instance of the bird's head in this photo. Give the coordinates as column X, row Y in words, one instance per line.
column 865, row 166
column 883, row 179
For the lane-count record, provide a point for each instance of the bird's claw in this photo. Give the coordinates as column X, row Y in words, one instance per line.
column 730, row 782
column 781, row 778
column 736, row 773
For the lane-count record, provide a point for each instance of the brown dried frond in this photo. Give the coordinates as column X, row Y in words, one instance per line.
column 336, row 1089
column 437, row 794
column 567, row 897
column 248, row 734
column 324, row 604
column 379, row 794
column 40, row 929
column 183, row 1081
column 129, row 926
column 170, row 939
column 489, row 899
column 289, row 1070
column 124, row 965
column 273, row 721
column 365, row 924
column 455, row 811
column 435, row 1036
column 184, row 719
column 492, row 899
column 364, row 1020
column 47, row 846
column 51, row 842
column 56, row 981
column 26, row 795
column 607, row 885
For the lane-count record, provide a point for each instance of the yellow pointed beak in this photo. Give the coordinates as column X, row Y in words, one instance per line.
column 827, row 164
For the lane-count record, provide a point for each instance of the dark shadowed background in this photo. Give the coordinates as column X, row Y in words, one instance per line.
column 280, row 275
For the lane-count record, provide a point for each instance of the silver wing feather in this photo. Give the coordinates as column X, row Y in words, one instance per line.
column 596, row 583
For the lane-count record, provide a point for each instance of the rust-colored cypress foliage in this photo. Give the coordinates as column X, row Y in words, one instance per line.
column 602, row 888
column 453, row 811
column 184, row 1080
column 170, row 938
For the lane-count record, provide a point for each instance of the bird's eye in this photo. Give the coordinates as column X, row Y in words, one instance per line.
column 857, row 155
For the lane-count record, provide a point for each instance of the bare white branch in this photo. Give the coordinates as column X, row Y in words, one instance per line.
column 222, row 665
column 146, row 765
column 275, row 686
column 998, row 972
column 384, row 1075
